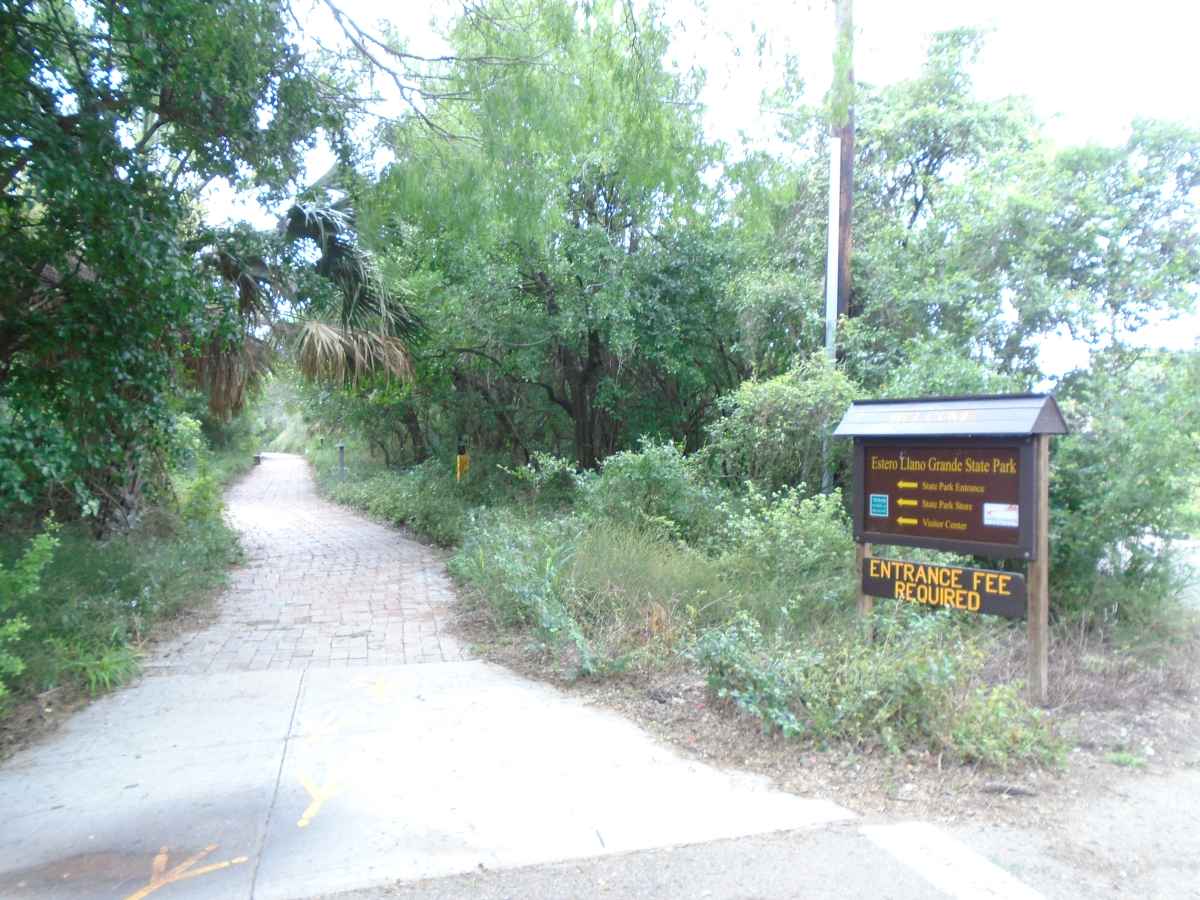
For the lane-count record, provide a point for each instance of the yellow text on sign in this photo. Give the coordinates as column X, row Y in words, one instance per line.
column 939, row 585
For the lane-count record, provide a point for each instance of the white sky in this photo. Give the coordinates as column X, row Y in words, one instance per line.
column 1089, row 67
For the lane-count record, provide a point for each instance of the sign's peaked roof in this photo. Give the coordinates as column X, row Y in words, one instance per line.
column 1007, row 414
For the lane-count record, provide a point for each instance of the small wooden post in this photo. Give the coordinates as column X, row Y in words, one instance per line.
column 1039, row 569
column 866, row 603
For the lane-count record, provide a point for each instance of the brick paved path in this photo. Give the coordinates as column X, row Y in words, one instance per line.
column 321, row 586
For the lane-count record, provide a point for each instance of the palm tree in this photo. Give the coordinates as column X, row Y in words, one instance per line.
column 342, row 327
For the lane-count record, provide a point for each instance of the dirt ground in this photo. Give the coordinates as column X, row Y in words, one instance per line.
column 1147, row 727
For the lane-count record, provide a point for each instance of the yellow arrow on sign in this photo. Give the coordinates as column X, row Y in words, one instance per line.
column 906, row 484
column 904, row 501
column 901, row 520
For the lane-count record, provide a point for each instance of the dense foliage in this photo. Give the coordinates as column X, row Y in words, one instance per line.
column 549, row 260
column 606, row 293
column 111, row 119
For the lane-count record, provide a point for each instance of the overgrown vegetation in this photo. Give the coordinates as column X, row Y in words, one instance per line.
column 76, row 611
column 662, row 560
column 554, row 264
column 916, row 685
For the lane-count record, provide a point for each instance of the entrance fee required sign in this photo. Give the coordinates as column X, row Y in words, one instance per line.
column 963, row 495
column 949, row 587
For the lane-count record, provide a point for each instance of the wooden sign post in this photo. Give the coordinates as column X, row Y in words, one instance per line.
column 968, row 475
column 1039, row 580
column 866, row 602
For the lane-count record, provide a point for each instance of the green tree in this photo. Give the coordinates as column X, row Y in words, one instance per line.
column 1123, row 480
column 111, row 119
column 970, row 231
column 777, row 432
column 571, row 263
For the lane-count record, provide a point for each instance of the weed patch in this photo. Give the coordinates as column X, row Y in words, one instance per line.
column 1126, row 760
column 913, row 688
column 425, row 498
column 649, row 566
column 85, row 606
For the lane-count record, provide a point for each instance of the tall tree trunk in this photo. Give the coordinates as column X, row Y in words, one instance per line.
column 582, row 377
column 585, row 426
column 413, row 425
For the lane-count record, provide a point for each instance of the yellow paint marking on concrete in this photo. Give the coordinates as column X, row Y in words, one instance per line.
column 161, row 877
column 318, row 796
column 382, row 689
column 159, row 865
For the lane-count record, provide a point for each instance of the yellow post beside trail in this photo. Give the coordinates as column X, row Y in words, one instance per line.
column 462, row 462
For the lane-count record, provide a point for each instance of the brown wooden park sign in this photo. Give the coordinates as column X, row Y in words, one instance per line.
column 964, row 474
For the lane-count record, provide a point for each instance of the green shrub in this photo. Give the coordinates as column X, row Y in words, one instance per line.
column 1121, row 484
column 912, row 688
column 996, row 726
column 201, row 500
column 549, row 480
column 776, row 433
column 424, row 498
column 654, row 488
column 18, row 583
column 608, row 595
column 795, row 553
column 519, row 565
column 741, row 668
column 187, row 444
column 74, row 609
column 97, row 600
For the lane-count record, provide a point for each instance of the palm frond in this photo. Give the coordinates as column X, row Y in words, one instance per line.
column 252, row 279
column 331, row 352
column 321, row 223
column 366, row 304
column 230, row 372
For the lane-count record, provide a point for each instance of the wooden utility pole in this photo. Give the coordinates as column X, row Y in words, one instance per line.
column 841, row 174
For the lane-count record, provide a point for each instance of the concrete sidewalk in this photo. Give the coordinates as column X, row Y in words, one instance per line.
column 288, row 784
column 293, row 748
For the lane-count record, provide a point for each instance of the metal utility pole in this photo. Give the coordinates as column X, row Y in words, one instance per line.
column 831, row 258
column 841, row 191
column 841, row 174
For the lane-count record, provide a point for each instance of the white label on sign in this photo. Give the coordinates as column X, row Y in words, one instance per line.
column 1002, row 515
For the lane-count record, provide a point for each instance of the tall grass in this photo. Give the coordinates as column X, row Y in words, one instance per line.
column 603, row 596
column 625, row 590
column 425, row 498
column 648, row 565
column 96, row 602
